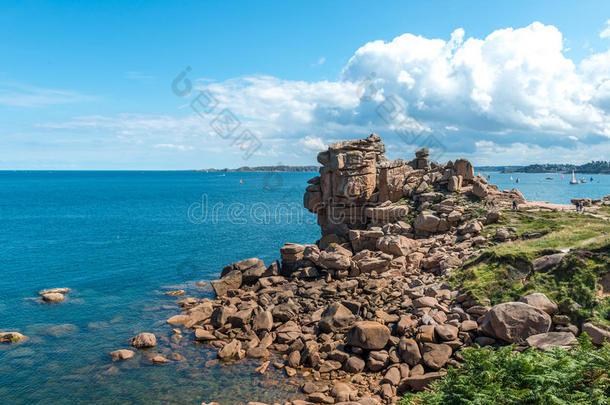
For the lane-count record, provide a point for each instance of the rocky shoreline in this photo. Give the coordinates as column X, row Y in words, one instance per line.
column 366, row 313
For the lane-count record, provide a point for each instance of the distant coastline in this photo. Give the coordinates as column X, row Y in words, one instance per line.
column 598, row 167
column 279, row 168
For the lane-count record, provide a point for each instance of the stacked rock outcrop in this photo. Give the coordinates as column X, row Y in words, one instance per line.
column 364, row 314
column 358, row 184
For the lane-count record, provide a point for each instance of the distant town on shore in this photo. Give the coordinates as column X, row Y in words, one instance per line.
column 595, row 167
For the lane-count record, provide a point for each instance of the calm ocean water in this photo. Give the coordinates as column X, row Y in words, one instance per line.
column 118, row 239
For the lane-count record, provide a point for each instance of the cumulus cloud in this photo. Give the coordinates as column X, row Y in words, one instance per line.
column 315, row 143
column 515, row 85
column 514, row 88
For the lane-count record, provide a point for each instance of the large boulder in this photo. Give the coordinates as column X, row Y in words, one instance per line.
column 426, row 222
column 396, row 245
column 420, row 382
column 540, row 301
column 251, row 269
column 455, row 183
column 335, row 258
column 479, row 189
column 336, row 317
column 230, row 281
column 368, row 335
column 598, row 335
column 463, row 167
column 514, row 322
column 436, row 355
column 545, row 263
column 409, row 351
column 263, row 321
column 544, row 341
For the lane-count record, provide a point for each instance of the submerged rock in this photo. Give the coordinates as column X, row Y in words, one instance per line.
column 143, row 340
column 53, row 297
column 122, row 354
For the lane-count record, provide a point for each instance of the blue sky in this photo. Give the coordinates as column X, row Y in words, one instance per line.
column 87, row 85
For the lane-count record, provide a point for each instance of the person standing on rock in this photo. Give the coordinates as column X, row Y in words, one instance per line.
column 514, row 205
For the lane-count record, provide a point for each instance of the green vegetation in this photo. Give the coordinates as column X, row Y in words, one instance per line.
column 507, row 377
column 506, row 272
column 594, row 167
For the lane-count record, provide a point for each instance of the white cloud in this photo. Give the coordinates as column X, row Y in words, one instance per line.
column 172, row 146
column 606, row 32
column 22, row 95
column 514, row 87
column 315, row 143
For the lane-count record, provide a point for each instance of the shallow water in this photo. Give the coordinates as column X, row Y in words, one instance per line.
column 119, row 240
column 535, row 186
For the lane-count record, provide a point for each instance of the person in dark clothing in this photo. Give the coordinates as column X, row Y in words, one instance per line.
column 514, row 205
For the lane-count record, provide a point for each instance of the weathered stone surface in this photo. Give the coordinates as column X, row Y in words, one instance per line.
column 396, row 245
column 545, row 263
column 446, row 332
column 426, row 222
column 220, row 316
column 464, row 168
column 122, row 354
column 421, row 382
column 61, row 290
column 354, row 365
column 53, row 297
column 263, row 321
column 203, row 335
column 11, row 337
column 597, row 334
column 143, row 340
column 435, row 355
column 230, row 350
column 454, row 184
column 336, row 317
column 547, row 340
column 230, row 281
column 540, row 301
column 479, row 189
column 178, row 320
column 368, row 335
column 158, row 359
column 514, row 322
column 409, row 351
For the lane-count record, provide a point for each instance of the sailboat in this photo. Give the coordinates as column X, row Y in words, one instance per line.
column 573, row 181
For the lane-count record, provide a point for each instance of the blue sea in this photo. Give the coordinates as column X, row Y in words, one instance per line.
column 121, row 239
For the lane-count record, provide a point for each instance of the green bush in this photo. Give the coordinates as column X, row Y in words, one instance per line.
column 506, row 377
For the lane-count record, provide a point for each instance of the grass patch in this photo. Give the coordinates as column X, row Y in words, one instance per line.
column 506, row 272
column 507, row 377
